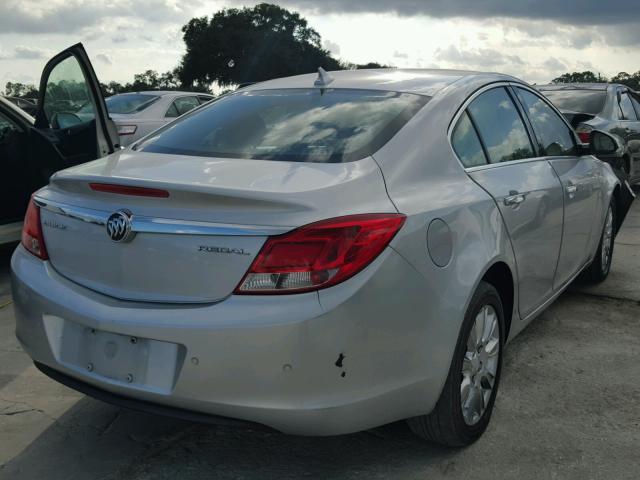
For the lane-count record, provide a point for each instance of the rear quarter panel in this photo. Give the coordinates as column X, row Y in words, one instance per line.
column 426, row 181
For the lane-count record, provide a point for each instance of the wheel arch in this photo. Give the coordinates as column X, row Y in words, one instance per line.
column 499, row 275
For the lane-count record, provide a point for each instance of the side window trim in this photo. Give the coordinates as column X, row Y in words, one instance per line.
column 550, row 105
column 171, row 106
column 477, row 132
column 635, row 99
column 463, row 108
column 506, row 88
column 533, row 137
column 176, row 107
column 623, row 117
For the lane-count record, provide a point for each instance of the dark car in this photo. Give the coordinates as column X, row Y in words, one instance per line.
column 29, row 105
column 612, row 108
column 60, row 136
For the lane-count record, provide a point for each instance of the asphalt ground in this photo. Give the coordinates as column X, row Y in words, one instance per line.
column 568, row 407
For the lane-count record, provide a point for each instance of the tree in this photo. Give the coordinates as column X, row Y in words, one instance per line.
column 250, row 44
column 149, row 80
column 356, row 66
column 580, row 77
column 16, row 89
column 631, row 81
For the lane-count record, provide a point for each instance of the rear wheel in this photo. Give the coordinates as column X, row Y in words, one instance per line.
column 599, row 269
column 464, row 408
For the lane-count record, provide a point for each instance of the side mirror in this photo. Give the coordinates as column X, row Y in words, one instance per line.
column 606, row 146
column 60, row 120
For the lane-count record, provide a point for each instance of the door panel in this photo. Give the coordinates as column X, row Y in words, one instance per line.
column 14, row 181
column 580, row 183
column 529, row 196
column 72, row 113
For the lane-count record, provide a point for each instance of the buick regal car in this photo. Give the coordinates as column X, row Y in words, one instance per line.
column 319, row 254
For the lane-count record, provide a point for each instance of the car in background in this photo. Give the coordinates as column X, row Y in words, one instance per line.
column 319, row 255
column 137, row 114
column 612, row 108
column 71, row 127
column 27, row 104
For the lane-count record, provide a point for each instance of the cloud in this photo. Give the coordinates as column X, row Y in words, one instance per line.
column 25, row 53
column 554, row 64
column 591, row 12
column 104, row 58
column 71, row 16
column 401, row 55
column 332, row 47
column 475, row 58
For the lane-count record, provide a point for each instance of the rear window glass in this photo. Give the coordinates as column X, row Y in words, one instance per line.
column 582, row 101
column 299, row 125
column 129, row 103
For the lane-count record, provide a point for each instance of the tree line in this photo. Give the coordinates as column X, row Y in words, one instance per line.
column 233, row 47
column 630, row 80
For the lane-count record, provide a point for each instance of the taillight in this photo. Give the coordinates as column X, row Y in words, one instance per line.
column 32, row 238
column 584, row 132
column 320, row 254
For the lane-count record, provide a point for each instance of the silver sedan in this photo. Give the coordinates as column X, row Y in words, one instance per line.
column 320, row 254
column 137, row 114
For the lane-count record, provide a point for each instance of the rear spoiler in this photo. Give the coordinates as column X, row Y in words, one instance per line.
column 576, row 118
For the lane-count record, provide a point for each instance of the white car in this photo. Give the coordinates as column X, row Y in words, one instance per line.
column 140, row 113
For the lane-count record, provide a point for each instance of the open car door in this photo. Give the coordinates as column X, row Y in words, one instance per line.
column 72, row 115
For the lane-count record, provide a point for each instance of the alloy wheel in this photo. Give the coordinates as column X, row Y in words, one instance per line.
column 480, row 365
column 607, row 240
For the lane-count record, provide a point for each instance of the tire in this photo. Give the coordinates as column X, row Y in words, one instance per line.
column 599, row 269
column 449, row 424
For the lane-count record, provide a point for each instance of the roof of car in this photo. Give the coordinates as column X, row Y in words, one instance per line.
column 422, row 81
column 15, row 109
column 162, row 93
column 573, row 86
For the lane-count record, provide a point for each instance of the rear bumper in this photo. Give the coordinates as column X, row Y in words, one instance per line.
column 271, row 360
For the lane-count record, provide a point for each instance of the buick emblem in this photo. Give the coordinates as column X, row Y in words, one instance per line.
column 119, row 226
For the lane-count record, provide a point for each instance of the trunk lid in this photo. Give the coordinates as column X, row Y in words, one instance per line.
column 196, row 244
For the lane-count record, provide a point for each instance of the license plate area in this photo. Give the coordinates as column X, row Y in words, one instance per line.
column 136, row 362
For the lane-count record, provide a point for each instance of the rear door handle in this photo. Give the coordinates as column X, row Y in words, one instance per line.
column 571, row 190
column 514, row 199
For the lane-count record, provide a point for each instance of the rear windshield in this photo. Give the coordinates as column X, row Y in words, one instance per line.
column 299, row 125
column 581, row 101
column 129, row 103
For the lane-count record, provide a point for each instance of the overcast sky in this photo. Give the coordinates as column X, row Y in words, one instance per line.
column 533, row 40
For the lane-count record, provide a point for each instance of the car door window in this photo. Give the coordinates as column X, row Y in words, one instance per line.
column 182, row 105
column 626, row 108
column 204, row 99
column 67, row 100
column 552, row 133
column 172, row 111
column 636, row 104
column 466, row 143
column 500, row 126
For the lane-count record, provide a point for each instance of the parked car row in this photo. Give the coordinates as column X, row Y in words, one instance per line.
column 320, row 254
column 140, row 113
column 612, row 108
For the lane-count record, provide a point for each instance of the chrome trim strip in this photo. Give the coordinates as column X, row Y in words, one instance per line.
column 141, row 224
column 479, row 92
